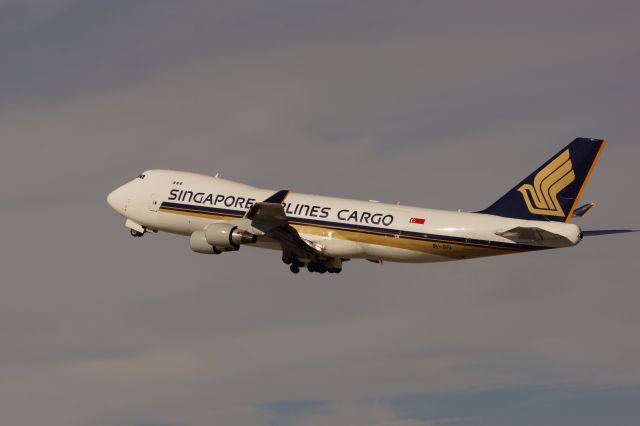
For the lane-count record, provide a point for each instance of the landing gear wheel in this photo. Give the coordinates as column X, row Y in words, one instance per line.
column 294, row 268
column 135, row 233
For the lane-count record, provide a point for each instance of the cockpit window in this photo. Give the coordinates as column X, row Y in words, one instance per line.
column 141, row 176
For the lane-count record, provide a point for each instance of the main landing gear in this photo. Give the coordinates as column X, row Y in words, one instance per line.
column 322, row 268
column 135, row 233
column 331, row 266
column 295, row 264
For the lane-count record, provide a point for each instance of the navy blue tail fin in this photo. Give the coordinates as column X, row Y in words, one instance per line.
column 552, row 192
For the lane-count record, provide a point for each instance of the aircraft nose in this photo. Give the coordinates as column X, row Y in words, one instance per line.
column 117, row 199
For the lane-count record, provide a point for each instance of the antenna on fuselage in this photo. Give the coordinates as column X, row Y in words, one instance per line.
column 216, row 176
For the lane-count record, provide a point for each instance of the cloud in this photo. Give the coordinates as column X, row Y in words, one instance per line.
column 21, row 16
column 436, row 106
column 357, row 414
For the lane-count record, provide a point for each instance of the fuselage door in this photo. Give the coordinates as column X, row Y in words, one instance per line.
column 154, row 202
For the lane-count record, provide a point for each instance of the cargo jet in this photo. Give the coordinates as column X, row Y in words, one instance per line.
column 321, row 233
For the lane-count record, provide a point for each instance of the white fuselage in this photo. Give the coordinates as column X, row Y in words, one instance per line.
column 183, row 202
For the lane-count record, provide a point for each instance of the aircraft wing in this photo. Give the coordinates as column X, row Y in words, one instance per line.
column 270, row 219
column 269, row 211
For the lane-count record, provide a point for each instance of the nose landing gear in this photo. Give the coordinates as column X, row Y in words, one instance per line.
column 136, row 229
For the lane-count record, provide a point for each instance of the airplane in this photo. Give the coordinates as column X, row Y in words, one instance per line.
column 321, row 233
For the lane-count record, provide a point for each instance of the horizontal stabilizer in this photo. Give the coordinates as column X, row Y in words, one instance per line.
column 582, row 211
column 607, row 232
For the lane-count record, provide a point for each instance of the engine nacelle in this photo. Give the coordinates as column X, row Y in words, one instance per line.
column 227, row 237
column 199, row 244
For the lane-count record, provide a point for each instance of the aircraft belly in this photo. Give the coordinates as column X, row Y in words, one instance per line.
column 391, row 247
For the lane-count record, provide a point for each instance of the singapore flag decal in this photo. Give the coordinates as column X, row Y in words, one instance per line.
column 417, row 220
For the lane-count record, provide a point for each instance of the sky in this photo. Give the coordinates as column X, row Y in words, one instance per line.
column 434, row 104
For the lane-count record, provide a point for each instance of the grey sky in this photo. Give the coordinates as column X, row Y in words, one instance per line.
column 430, row 104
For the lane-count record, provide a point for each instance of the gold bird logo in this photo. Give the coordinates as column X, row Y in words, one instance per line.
column 542, row 197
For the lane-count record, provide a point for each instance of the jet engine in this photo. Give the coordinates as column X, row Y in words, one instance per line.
column 199, row 244
column 219, row 237
column 227, row 237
